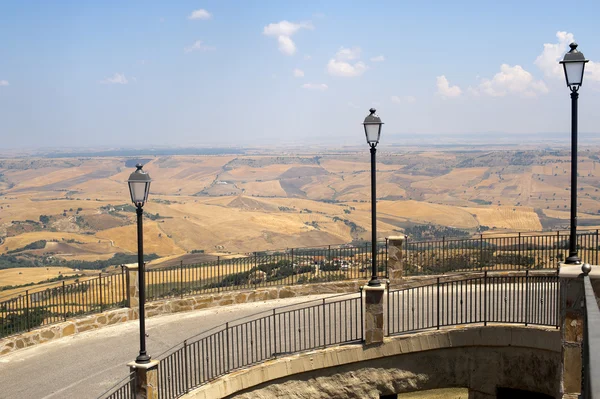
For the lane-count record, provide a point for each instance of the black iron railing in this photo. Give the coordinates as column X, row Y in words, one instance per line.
column 124, row 389
column 34, row 308
column 523, row 299
column 289, row 267
column 39, row 307
column 591, row 344
column 244, row 342
column 514, row 252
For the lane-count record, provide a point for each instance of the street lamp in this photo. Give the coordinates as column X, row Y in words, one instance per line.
column 574, row 65
column 139, row 186
column 372, row 126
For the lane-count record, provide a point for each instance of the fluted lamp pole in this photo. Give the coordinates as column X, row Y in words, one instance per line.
column 574, row 66
column 372, row 125
column 139, row 187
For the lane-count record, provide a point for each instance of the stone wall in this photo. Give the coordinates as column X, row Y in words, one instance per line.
column 478, row 358
column 172, row 305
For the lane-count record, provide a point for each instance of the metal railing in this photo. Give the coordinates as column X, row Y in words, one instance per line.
column 591, row 344
column 124, row 389
column 241, row 343
column 525, row 299
column 31, row 308
column 517, row 252
column 289, row 267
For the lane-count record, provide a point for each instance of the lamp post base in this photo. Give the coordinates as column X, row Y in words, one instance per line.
column 374, row 283
column 573, row 260
column 142, row 359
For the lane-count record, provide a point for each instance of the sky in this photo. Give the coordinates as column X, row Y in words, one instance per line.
column 258, row 72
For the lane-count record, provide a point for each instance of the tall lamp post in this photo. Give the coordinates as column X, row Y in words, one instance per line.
column 372, row 126
column 574, row 65
column 139, row 187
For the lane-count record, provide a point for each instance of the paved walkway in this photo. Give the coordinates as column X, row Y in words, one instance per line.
column 85, row 365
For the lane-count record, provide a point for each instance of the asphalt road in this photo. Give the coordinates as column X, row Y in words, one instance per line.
column 87, row 364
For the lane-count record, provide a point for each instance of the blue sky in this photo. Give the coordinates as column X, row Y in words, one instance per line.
column 140, row 73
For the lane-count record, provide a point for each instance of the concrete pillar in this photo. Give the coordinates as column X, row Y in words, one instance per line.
column 146, row 381
column 572, row 325
column 374, row 314
column 395, row 265
column 133, row 289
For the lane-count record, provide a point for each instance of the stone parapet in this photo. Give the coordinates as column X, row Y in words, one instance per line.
column 166, row 306
column 395, row 265
column 374, row 328
column 146, row 379
column 476, row 357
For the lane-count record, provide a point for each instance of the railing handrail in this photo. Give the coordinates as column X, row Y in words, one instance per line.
column 591, row 365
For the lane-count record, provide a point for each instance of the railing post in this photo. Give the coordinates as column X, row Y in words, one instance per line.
column 557, row 245
column 443, row 254
column 27, row 309
column 186, row 366
column 274, row 334
column 293, row 269
column 124, row 285
column 126, row 288
column 100, row 291
column 218, row 273
column 362, row 320
column 596, row 247
column 481, row 250
column 324, row 326
column 64, row 298
column 438, row 303
column 526, row 297
column 228, row 362
column 181, row 278
column 519, row 251
column 485, row 292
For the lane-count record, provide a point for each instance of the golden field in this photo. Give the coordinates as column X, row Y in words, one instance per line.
column 244, row 203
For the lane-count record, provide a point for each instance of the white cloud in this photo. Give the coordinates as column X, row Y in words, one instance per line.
column 307, row 57
column 444, row 88
column 379, row 58
column 200, row 14
column 338, row 66
column 592, row 71
column 348, row 54
column 298, row 73
column 512, row 80
column 117, row 78
column 283, row 31
column 352, row 105
column 315, row 86
column 286, row 45
column 4, row 83
column 553, row 53
column 345, row 69
column 198, row 46
column 403, row 100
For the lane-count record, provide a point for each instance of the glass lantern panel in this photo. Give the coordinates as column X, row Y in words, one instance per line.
column 574, row 72
column 372, row 132
column 138, row 191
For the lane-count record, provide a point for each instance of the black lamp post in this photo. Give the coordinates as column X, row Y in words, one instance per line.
column 139, row 186
column 372, row 126
column 574, row 65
